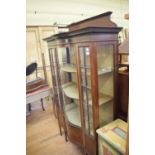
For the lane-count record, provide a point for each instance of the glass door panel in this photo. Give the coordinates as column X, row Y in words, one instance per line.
column 54, row 73
column 105, row 67
column 85, row 72
column 56, row 101
column 67, row 64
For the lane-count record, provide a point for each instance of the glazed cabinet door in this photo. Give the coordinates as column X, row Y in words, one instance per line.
column 55, row 97
column 96, row 63
column 86, row 97
column 70, row 93
column 65, row 89
column 55, row 62
column 106, row 55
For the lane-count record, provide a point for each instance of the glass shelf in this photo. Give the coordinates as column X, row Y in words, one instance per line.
column 103, row 98
column 71, row 90
column 99, row 71
column 104, row 71
column 72, row 69
column 73, row 113
column 69, row 68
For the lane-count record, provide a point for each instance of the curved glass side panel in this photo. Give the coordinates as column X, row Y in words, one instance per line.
column 69, row 87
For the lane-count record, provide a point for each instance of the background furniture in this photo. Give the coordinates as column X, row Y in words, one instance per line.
column 35, row 96
column 36, row 89
column 112, row 138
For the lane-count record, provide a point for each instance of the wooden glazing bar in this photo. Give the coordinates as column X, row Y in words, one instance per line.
column 95, row 97
column 115, row 55
column 79, row 74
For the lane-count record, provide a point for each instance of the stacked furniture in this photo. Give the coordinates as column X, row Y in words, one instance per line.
column 84, row 70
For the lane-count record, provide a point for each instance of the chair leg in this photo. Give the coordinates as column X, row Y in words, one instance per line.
column 42, row 104
column 29, row 106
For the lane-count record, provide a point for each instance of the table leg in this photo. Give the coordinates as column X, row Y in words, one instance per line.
column 29, row 106
column 42, row 104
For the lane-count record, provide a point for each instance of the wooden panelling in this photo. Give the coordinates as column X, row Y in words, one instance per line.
column 123, row 94
column 74, row 134
column 91, row 146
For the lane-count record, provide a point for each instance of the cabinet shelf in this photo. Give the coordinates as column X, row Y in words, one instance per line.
column 73, row 113
column 103, row 98
column 104, row 71
column 72, row 69
column 70, row 89
column 69, row 68
column 100, row 71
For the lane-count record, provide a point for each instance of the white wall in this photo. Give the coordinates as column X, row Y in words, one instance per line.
column 69, row 11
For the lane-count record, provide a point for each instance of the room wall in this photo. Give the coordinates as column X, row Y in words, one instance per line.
column 36, row 47
column 48, row 12
column 42, row 14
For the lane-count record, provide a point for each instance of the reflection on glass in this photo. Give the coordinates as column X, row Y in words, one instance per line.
column 84, row 54
column 105, row 83
column 54, row 75
column 105, row 56
column 67, row 66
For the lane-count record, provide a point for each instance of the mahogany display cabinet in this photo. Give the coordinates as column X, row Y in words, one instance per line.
column 83, row 66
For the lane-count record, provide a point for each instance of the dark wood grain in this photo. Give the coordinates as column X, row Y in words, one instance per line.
column 123, row 94
column 75, row 134
column 102, row 20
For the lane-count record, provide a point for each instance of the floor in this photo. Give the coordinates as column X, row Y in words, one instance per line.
column 42, row 135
